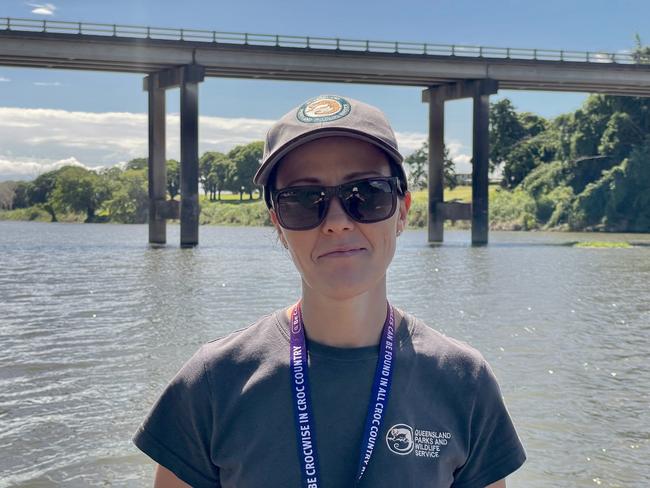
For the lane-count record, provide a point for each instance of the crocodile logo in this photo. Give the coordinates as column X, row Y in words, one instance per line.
column 400, row 439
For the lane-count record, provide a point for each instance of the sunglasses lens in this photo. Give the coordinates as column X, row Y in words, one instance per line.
column 369, row 200
column 301, row 208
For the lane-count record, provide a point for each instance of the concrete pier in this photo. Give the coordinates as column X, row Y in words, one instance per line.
column 439, row 210
column 187, row 78
column 156, row 161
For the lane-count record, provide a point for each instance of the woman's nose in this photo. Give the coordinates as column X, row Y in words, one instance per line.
column 336, row 219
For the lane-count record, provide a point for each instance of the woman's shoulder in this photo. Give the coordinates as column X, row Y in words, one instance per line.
column 430, row 345
column 255, row 342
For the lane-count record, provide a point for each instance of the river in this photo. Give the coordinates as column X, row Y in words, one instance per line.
column 94, row 323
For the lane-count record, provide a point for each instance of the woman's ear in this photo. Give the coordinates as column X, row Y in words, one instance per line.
column 404, row 206
column 278, row 229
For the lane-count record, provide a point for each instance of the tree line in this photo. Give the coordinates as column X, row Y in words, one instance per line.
column 119, row 194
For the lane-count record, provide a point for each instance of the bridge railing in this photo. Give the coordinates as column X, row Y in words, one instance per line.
column 340, row 44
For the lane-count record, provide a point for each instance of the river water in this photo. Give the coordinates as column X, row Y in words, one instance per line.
column 94, row 323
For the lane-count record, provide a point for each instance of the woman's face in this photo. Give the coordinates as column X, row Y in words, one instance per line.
column 341, row 258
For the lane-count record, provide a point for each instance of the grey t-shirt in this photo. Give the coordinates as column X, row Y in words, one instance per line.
column 226, row 419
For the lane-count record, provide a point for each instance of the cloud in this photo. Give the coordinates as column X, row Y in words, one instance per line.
column 4, row 80
column 458, row 154
column 25, row 168
column 45, row 137
column 47, row 83
column 33, row 141
column 42, row 9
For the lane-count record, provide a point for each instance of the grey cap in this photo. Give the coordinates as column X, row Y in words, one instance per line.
column 324, row 116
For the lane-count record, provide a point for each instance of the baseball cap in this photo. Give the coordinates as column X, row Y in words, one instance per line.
column 325, row 116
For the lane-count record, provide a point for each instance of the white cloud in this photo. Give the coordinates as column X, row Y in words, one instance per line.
column 33, row 141
column 47, row 83
column 462, row 160
column 25, row 168
column 409, row 142
column 4, row 80
column 45, row 137
column 42, row 9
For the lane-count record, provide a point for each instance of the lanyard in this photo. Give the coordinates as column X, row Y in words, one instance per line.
column 304, row 419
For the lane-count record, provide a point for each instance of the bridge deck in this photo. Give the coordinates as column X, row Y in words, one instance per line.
column 321, row 59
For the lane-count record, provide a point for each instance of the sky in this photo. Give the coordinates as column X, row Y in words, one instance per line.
column 49, row 118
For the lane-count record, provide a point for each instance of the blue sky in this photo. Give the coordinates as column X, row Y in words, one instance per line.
column 237, row 110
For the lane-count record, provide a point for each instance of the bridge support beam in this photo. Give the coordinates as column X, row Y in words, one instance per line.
column 156, row 161
column 439, row 210
column 187, row 78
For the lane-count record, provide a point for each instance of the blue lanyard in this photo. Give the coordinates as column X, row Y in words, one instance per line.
column 304, row 418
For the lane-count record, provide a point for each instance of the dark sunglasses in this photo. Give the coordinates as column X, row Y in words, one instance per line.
column 366, row 201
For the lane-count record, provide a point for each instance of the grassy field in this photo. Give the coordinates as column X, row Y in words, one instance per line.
column 460, row 194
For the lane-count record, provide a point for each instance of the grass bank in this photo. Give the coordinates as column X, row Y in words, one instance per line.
column 508, row 211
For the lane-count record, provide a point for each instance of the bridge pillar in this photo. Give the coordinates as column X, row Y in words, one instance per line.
column 187, row 78
column 436, row 99
column 439, row 210
column 480, row 169
column 156, row 160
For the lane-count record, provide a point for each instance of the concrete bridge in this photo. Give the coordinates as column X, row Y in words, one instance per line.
column 183, row 57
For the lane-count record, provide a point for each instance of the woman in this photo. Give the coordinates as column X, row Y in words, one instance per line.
column 341, row 389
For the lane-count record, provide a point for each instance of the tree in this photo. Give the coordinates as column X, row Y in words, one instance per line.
column 417, row 164
column 215, row 173
column 41, row 189
column 506, row 130
column 247, row 161
column 641, row 53
column 620, row 136
column 138, row 163
column 129, row 202
column 173, row 178
column 79, row 190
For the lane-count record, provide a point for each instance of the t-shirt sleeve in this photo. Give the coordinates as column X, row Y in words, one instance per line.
column 178, row 432
column 495, row 450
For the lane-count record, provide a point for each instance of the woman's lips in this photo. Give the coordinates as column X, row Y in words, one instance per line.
column 343, row 253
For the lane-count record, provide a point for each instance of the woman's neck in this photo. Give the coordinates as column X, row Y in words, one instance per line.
column 352, row 322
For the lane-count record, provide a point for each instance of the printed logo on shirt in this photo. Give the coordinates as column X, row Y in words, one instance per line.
column 400, row 439
column 403, row 439
column 323, row 109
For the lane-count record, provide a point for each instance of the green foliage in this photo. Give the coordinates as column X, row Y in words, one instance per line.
column 513, row 210
column 558, row 203
column 247, row 160
column 215, row 173
column 137, row 164
column 36, row 213
column 173, row 178
column 129, row 201
column 505, row 131
column 79, row 190
column 40, row 192
column 417, row 164
column 620, row 200
column 641, row 53
column 248, row 213
column 620, row 136
column 580, row 172
column 519, row 142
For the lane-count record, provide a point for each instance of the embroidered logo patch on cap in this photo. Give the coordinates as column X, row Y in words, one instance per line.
column 323, row 109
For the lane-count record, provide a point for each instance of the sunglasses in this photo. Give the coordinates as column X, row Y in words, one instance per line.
column 365, row 201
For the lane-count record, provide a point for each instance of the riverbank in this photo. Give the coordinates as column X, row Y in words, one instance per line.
column 509, row 211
